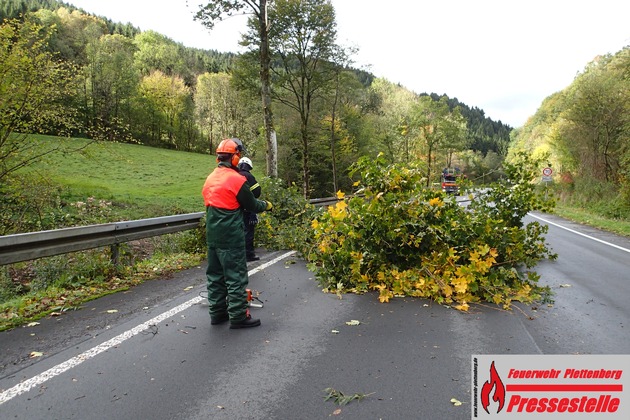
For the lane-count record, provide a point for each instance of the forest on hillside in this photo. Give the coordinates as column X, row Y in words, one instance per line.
column 583, row 132
column 118, row 83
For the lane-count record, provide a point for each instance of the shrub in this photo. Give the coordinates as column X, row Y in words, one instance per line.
column 403, row 239
column 287, row 226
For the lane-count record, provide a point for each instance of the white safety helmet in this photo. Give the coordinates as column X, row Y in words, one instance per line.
column 245, row 161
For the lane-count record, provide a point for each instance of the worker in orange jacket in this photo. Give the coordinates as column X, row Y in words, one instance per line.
column 226, row 194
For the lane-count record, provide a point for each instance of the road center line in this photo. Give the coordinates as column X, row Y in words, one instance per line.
column 579, row 233
column 29, row 384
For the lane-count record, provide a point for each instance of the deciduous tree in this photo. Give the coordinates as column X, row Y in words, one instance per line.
column 166, row 98
column 34, row 85
column 436, row 128
column 219, row 9
column 111, row 83
column 302, row 42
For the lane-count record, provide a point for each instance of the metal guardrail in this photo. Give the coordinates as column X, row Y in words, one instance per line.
column 30, row 246
column 33, row 245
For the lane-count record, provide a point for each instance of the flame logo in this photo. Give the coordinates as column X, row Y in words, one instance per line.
column 499, row 390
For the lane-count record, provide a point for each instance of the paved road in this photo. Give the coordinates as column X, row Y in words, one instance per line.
column 159, row 358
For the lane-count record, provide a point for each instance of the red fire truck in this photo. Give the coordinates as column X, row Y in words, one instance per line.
column 449, row 180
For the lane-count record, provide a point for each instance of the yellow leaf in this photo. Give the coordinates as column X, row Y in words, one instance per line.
column 462, row 307
column 188, row 288
column 36, row 354
column 384, row 296
column 112, row 311
column 455, row 402
column 436, row 202
column 32, row 324
column 340, row 195
column 353, row 322
column 460, row 284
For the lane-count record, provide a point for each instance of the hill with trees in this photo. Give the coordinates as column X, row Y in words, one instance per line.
column 140, row 86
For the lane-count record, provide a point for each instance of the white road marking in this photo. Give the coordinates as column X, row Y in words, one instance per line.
column 29, row 384
column 579, row 233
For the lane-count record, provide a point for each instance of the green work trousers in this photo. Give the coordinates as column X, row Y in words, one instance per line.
column 227, row 280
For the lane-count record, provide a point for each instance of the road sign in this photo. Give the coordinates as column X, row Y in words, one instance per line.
column 547, row 172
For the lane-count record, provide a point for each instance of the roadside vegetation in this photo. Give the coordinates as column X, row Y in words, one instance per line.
column 76, row 194
column 102, row 122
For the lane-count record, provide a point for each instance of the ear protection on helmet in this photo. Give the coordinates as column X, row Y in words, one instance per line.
column 236, row 157
column 233, row 147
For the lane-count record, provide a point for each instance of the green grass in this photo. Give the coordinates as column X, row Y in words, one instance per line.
column 621, row 227
column 141, row 181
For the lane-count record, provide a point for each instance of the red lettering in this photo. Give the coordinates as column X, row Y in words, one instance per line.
column 522, row 404
column 512, row 373
column 614, row 405
column 562, row 406
column 598, row 409
column 584, row 404
column 582, row 401
column 514, row 400
column 531, row 405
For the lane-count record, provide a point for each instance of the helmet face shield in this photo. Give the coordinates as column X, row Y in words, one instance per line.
column 239, row 144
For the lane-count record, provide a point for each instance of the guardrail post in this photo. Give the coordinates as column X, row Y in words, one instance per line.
column 115, row 255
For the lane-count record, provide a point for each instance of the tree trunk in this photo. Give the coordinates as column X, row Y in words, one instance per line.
column 332, row 135
column 305, row 171
column 265, row 64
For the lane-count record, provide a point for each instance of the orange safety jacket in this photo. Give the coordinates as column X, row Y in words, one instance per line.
column 221, row 188
column 225, row 194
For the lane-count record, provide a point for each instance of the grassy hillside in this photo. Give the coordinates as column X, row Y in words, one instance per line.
column 141, row 181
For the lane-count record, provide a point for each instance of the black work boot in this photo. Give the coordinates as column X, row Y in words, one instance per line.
column 251, row 258
column 246, row 323
column 219, row 319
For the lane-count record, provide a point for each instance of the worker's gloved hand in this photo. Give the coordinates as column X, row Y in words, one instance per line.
column 269, row 206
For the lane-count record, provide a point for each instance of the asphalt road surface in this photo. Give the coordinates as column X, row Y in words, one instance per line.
column 158, row 357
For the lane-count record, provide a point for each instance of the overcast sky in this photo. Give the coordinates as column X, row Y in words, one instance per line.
column 502, row 56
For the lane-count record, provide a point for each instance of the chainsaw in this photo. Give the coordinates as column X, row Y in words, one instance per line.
column 253, row 301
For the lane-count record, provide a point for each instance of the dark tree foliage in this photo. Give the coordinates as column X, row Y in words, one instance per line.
column 197, row 60
column 11, row 9
column 365, row 77
column 484, row 134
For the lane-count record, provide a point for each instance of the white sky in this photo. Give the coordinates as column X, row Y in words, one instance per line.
column 502, row 56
